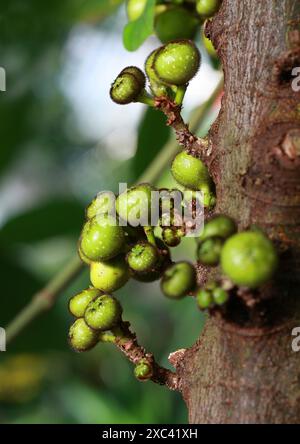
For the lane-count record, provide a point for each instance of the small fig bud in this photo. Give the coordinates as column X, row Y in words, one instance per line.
column 81, row 336
column 103, row 313
column 163, row 263
column 172, row 236
column 137, row 73
column 220, row 296
column 219, row 226
column 204, row 299
column 249, row 259
column 177, row 62
column 125, row 89
column 209, row 251
column 111, row 275
column 207, row 8
column 209, row 198
column 143, row 370
column 178, row 280
column 79, row 302
column 142, row 257
column 190, row 171
column 101, row 238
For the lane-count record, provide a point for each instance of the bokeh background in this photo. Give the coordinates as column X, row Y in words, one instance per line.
column 63, row 140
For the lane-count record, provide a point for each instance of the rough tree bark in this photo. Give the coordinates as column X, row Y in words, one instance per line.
column 243, row 369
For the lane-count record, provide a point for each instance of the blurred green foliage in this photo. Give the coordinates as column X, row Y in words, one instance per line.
column 49, row 382
column 136, row 32
column 153, row 133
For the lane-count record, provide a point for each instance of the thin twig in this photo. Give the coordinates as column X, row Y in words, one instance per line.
column 44, row 299
column 164, row 157
column 128, row 344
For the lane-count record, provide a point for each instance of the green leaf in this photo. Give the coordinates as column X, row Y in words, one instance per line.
column 152, row 136
column 54, row 218
column 136, row 32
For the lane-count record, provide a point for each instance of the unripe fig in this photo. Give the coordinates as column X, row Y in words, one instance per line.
column 204, row 299
column 143, row 370
column 134, row 205
column 103, row 203
column 135, row 9
column 81, row 336
column 189, row 171
column 83, row 257
column 103, row 313
column 111, row 275
column 220, row 296
column 157, row 88
column 79, row 302
column 209, row 251
column 178, row 280
column 207, row 8
column 164, row 262
column 137, row 73
column 101, row 238
column 143, row 257
column 125, row 89
column 176, row 63
column 249, row 259
column 219, row 226
column 209, row 197
column 175, row 23
column 172, row 236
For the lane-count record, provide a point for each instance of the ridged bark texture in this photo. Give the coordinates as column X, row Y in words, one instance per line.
column 243, row 369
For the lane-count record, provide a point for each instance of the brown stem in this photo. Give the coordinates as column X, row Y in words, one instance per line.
column 193, row 145
column 127, row 342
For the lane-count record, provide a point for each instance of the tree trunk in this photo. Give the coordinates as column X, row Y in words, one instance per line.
column 243, row 369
